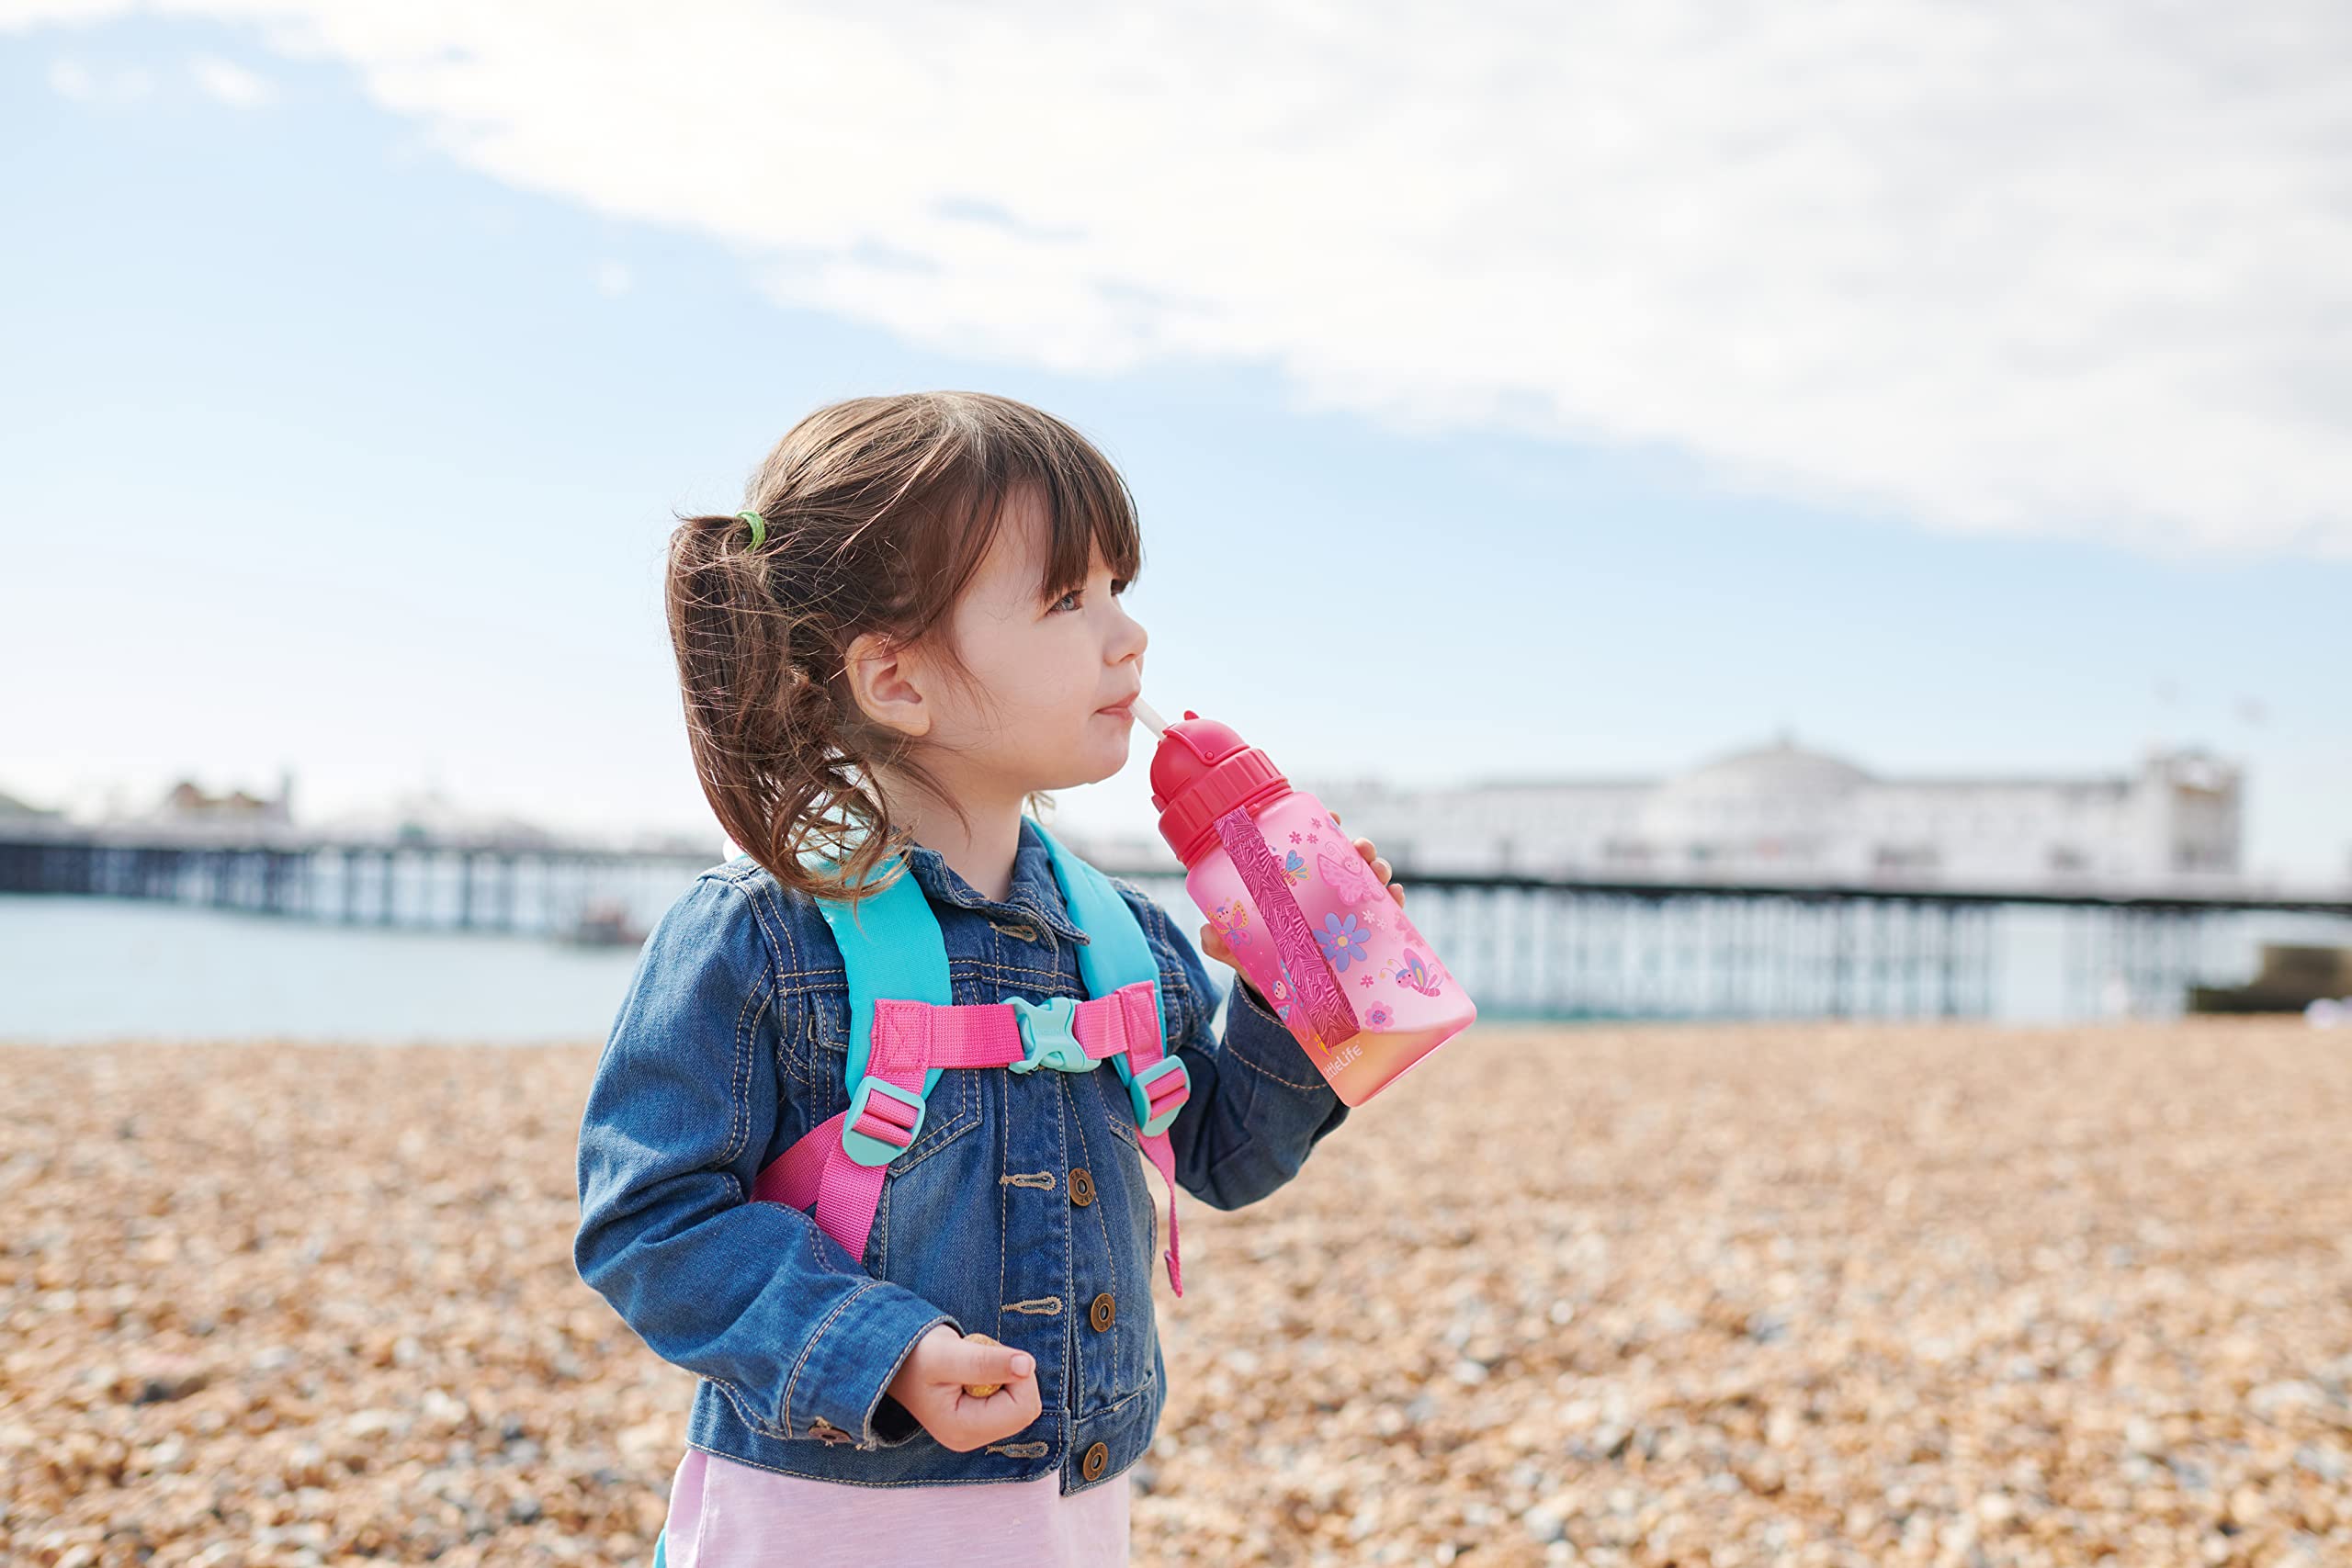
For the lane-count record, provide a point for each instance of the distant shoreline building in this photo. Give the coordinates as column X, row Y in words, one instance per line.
column 1783, row 813
column 187, row 802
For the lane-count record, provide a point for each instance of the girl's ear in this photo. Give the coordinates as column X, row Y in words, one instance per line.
column 887, row 683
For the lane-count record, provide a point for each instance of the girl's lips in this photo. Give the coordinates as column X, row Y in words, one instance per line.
column 1123, row 710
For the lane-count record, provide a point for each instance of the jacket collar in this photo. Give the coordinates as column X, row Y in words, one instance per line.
column 1034, row 895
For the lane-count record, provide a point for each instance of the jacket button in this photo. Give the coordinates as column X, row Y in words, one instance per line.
column 1081, row 1186
column 1103, row 1312
column 1098, row 1459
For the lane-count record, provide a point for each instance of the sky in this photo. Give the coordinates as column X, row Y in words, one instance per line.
column 1508, row 391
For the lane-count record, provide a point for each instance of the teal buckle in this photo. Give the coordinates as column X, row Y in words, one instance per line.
column 1149, row 1088
column 865, row 1148
column 1047, row 1034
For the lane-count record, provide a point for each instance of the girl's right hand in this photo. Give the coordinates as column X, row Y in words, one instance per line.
column 931, row 1385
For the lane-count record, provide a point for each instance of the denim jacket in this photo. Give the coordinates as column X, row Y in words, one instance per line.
column 1021, row 1210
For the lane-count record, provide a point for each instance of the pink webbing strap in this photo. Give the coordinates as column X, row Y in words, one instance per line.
column 1328, row 1013
column 816, row 1170
column 1146, row 1047
column 909, row 1039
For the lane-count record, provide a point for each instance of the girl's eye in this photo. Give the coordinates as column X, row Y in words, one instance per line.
column 1119, row 586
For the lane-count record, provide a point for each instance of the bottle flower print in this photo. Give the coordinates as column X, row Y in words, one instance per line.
column 1343, row 945
column 1268, row 862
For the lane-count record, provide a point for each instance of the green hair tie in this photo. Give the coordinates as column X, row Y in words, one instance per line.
column 759, row 527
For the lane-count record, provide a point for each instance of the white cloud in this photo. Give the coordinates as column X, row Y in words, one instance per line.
column 72, row 79
column 230, row 83
column 2007, row 267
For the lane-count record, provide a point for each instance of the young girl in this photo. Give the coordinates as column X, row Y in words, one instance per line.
column 911, row 631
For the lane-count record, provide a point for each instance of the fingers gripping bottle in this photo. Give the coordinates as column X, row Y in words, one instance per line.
column 1310, row 923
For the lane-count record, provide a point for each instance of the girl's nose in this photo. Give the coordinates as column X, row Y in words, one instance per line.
column 1137, row 639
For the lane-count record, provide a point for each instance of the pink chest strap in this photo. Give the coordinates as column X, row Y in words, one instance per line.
column 909, row 1039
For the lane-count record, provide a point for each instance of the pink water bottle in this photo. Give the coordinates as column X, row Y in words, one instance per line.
column 1317, row 935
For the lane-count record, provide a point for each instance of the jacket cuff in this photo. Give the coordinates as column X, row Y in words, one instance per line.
column 892, row 1424
column 1279, row 1064
column 842, row 1383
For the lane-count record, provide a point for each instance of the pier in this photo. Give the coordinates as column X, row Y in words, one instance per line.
column 540, row 885
column 1525, row 946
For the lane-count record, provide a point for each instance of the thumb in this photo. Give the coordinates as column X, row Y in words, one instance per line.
column 980, row 1359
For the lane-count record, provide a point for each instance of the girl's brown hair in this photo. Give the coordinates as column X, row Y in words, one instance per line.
column 878, row 511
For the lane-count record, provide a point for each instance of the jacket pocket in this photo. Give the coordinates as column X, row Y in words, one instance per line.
column 938, row 1225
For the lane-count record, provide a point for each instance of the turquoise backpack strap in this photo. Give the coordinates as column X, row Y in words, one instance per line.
column 1116, row 954
column 891, row 946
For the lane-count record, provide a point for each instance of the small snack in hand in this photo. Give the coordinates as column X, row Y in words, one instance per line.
column 982, row 1390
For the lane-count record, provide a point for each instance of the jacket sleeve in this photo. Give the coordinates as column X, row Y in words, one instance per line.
column 754, row 1296
column 1257, row 1105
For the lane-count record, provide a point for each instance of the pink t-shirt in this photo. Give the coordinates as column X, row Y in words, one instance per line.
column 723, row 1514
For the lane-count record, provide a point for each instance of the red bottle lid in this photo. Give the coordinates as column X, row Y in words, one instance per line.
column 1202, row 771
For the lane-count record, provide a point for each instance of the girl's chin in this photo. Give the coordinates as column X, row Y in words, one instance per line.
column 1092, row 762
column 1113, row 754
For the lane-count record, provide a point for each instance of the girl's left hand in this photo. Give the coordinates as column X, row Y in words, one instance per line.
column 1213, row 942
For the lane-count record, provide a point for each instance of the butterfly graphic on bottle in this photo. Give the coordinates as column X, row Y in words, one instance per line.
column 1345, row 874
column 1410, row 971
column 1286, row 1001
column 1232, row 922
column 1294, row 868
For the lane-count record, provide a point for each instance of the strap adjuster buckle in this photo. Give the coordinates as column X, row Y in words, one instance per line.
column 1047, row 1033
column 1158, row 1092
column 883, row 1122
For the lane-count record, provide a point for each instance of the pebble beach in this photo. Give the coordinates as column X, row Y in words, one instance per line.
column 1814, row 1294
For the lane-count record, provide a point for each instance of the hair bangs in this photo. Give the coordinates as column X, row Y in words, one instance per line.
column 1088, row 505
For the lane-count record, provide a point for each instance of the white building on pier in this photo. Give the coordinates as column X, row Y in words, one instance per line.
column 1783, row 813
